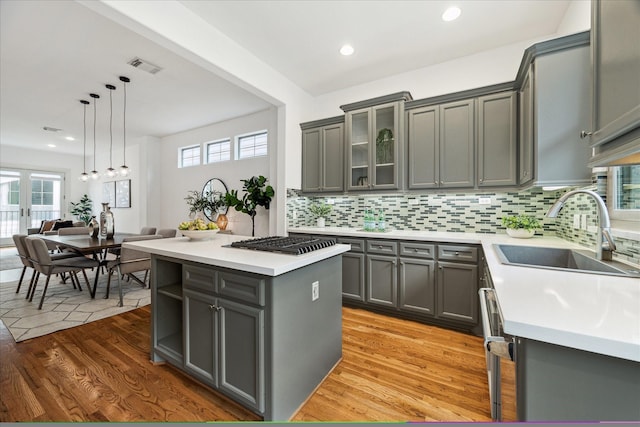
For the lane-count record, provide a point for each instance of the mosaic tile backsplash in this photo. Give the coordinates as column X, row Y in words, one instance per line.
column 461, row 212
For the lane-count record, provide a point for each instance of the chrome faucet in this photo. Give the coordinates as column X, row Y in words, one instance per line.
column 604, row 250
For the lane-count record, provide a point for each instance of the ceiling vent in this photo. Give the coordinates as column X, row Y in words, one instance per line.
column 50, row 129
column 144, row 65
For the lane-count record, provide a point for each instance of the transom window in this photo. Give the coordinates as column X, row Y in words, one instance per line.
column 189, row 156
column 219, row 151
column 252, row 145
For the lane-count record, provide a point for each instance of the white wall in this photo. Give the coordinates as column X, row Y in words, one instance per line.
column 576, row 19
column 177, row 182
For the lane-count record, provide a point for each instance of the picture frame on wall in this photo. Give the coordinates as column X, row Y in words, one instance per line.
column 123, row 193
column 109, row 193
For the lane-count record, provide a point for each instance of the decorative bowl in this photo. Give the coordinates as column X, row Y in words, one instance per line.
column 520, row 233
column 199, row 234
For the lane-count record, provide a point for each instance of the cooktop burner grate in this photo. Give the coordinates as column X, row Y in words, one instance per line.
column 288, row 245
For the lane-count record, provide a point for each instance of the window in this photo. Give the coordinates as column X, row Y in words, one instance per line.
column 189, row 156
column 252, row 145
column 41, row 192
column 624, row 192
column 219, row 151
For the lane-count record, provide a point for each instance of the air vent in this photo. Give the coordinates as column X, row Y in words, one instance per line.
column 50, row 129
column 144, row 65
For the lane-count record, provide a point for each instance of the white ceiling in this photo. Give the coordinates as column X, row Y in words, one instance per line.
column 53, row 53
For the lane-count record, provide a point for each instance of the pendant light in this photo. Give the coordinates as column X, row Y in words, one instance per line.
column 111, row 172
column 84, row 177
column 124, row 169
column 94, row 172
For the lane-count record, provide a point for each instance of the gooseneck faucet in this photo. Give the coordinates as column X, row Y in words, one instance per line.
column 604, row 250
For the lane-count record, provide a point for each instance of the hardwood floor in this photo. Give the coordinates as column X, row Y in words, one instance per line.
column 392, row 370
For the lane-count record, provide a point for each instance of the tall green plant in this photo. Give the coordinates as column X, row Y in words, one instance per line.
column 257, row 193
column 83, row 209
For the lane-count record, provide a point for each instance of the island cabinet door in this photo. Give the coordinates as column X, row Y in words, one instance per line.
column 353, row 276
column 200, row 325
column 241, row 353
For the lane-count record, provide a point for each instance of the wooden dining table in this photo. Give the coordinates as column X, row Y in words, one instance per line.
column 85, row 244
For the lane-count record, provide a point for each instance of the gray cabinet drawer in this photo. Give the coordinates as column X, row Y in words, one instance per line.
column 241, row 287
column 384, row 247
column 417, row 250
column 458, row 253
column 357, row 245
column 201, row 278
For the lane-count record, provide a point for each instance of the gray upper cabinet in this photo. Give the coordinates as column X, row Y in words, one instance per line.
column 497, row 143
column 374, row 141
column 615, row 50
column 323, row 156
column 554, row 81
column 441, row 142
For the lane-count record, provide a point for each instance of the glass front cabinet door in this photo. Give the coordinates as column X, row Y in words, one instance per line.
column 373, row 149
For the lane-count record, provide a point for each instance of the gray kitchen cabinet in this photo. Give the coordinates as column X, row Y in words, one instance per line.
column 615, row 126
column 441, row 144
column 353, row 270
column 374, row 140
column 382, row 280
column 224, row 346
column 497, row 142
column 458, row 283
column 417, row 286
column 525, row 143
column 322, row 156
column 554, row 82
column 167, row 331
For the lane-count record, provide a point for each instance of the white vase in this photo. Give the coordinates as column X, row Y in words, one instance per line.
column 320, row 222
column 520, row 233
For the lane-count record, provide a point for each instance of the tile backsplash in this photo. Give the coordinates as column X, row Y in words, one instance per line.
column 460, row 212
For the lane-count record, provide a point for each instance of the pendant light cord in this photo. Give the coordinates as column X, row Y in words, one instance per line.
column 110, row 129
column 124, row 126
column 84, row 139
column 94, row 132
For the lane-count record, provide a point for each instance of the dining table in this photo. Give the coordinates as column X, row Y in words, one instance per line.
column 98, row 247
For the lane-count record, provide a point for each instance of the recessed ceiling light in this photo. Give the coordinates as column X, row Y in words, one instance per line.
column 51, row 145
column 69, row 138
column 452, row 13
column 346, row 50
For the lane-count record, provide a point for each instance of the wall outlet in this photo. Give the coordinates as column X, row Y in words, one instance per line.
column 414, row 202
column 295, row 214
column 331, row 201
column 484, row 200
column 576, row 221
column 583, row 221
column 315, row 291
column 592, row 229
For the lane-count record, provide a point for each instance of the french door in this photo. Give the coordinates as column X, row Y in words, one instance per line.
column 26, row 198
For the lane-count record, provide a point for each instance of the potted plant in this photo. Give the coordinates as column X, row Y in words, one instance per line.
column 82, row 210
column 384, row 146
column 320, row 211
column 199, row 202
column 257, row 193
column 521, row 226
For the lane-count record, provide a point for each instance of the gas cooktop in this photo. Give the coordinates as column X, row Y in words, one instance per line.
column 287, row 245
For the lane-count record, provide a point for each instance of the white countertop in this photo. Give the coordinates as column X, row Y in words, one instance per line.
column 591, row 312
column 214, row 252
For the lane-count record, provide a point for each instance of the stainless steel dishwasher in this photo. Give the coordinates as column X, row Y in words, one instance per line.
column 500, row 351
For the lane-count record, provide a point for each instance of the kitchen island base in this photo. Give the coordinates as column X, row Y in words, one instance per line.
column 264, row 341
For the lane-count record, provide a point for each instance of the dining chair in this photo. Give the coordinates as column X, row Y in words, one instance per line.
column 18, row 240
column 130, row 261
column 45, row 264
column 167, row 232
column 146, row 231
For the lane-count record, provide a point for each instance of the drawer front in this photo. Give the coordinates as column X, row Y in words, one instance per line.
column 357, row 245
column 458, row 253
column 417, row 250
column 384, row 247
column 241, row 287
column 201, row 278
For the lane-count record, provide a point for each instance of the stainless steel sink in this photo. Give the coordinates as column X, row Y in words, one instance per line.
column 561, row 259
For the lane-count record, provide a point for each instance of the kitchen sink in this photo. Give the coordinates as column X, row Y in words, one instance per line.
column 561, row 259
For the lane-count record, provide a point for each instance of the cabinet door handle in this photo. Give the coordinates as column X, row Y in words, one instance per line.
column 212, row 307
column 584, row 134
column 415, row 250
column 457, row 253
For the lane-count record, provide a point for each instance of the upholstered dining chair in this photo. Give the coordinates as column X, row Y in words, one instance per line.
column 45, row 264
column 147, row 231
column 167, row 232
column 130, row 261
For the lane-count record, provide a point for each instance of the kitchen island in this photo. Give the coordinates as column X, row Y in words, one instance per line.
column 262, row 328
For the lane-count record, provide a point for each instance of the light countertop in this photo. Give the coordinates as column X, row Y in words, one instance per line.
column 592, row 312
column 214, row 252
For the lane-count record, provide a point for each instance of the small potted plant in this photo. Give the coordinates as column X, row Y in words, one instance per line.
column 320, row 211
column 198, row 203
column 257, row 193
column 521, row 226
column 82, row 210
